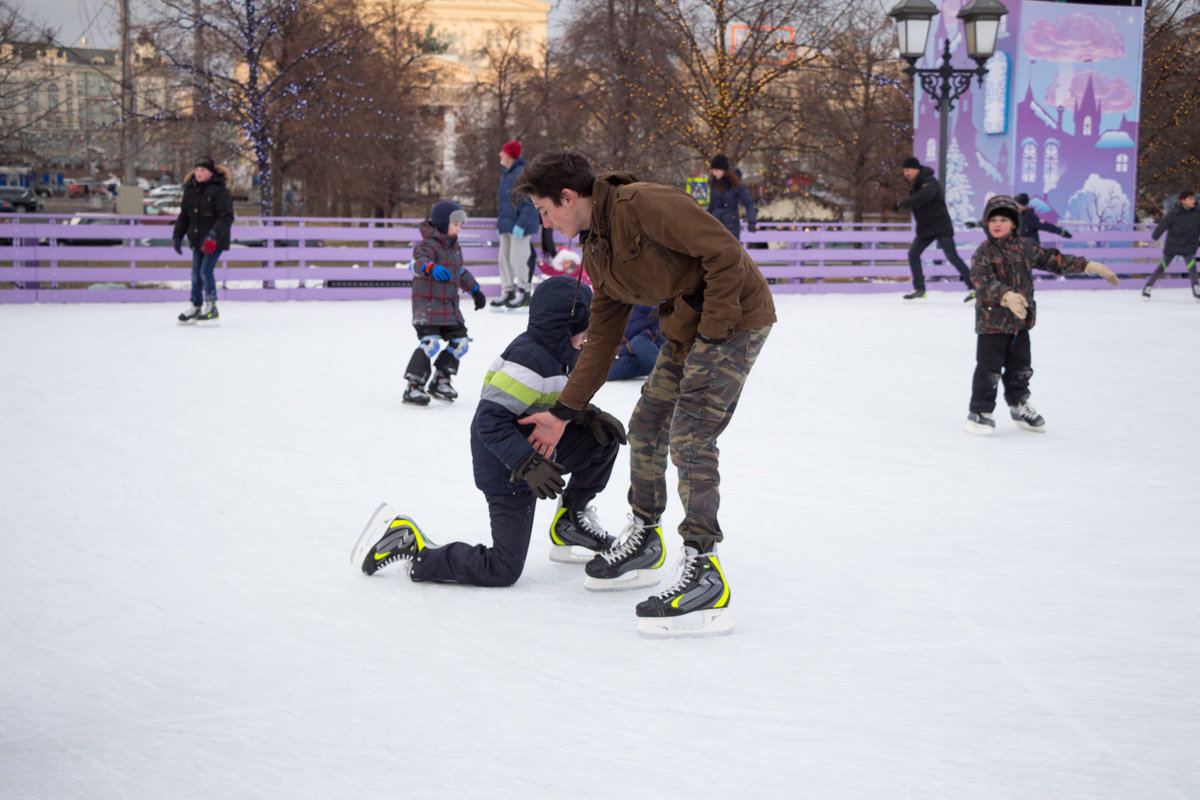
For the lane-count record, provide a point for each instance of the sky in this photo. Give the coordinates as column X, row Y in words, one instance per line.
column 98, row 19
column 919, row 613
column 74, row 19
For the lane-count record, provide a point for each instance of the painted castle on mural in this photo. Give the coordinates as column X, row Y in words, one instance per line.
column 1056, row 117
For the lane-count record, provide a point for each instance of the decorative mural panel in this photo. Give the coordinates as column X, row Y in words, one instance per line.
column 1056, row 117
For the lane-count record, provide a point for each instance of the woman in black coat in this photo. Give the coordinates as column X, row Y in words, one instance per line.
column 205, row 217
column 725, row 191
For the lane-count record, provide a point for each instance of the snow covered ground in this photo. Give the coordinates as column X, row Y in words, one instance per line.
column 920, row 613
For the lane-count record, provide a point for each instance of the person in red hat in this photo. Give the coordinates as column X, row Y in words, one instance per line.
column 516, row 222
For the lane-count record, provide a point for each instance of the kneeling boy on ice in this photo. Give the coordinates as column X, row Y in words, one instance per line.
column 526, row 378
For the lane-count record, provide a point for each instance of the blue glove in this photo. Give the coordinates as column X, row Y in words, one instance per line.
column 518, row 231
column 177, row 243
column 440, row 273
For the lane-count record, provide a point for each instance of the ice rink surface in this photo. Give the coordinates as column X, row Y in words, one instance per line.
column 919, row 613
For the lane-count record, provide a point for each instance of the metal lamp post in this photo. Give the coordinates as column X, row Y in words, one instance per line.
column 945, row 84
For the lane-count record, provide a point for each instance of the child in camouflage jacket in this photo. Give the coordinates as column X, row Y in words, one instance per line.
column 1005, row 313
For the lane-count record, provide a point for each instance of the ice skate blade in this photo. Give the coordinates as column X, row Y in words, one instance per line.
column 1025, row 426
column 376, row 527
column 975, row 429
column 636, row 579
column 708, row 622
column 570, row 554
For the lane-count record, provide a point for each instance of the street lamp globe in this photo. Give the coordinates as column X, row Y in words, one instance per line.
column 913, row 20
column 981, row 21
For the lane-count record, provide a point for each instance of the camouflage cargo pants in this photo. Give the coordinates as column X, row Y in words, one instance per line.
column 682, row 410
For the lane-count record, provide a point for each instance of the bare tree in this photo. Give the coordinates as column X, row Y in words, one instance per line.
column 597, row 64
column 500, row 106
column 266, row 66
column 21, row 77
column 1170, row 107
column 728, row 87
column 859, row 115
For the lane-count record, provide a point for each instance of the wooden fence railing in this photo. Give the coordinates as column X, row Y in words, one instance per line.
column 108, row 258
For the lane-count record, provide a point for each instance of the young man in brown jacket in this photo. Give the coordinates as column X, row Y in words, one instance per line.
column 648, row 244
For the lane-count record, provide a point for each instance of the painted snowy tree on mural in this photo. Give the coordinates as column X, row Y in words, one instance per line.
column 1101, row 202
column 958, row 186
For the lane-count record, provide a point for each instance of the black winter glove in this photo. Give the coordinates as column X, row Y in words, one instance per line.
column 970, row 224
column 178, row 245
column 602, row 425
column 480, row 300
column 543, row 476
column 1067, row 235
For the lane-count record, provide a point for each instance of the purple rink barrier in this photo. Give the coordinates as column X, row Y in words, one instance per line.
column 111, row 258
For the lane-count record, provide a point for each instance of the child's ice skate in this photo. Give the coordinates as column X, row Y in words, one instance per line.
column 388, row 537
column 1027, row 418
column 980, row 424
column 441, row 388
column 576, row 535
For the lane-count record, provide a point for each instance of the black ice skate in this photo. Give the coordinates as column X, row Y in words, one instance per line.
column 415, row 395
column 980, row 424
column 631, row 562
column 208, row 313
column 388, row 537
column 501, row 302
column 576, row 535
column 1027, row 418
column 918, row 294
column 189, row 316
column 696, row 605
column 440, row 388
column 519, row 303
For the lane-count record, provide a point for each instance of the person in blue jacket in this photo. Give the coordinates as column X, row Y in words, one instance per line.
column 725, row 191
column 527, row 377
column 639, row 345
column 516, row 222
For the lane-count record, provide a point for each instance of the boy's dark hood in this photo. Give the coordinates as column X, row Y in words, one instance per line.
column 558, row 310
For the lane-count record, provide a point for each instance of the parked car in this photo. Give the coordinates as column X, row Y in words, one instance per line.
column 84, row 220
column 23, row 199
column 85, row 187
column 46, row 189
column 7, row 207
column 162, row 206
column 166, row 190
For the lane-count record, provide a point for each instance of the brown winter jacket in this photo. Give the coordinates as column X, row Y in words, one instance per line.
column 650, row 244
column 1004, row 265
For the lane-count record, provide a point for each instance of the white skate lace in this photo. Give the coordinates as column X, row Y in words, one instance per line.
column 687, row 570
column 630, row 540
column 591, row 523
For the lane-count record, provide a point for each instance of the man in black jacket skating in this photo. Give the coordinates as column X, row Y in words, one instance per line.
column 928, row 206
column 1182, row 226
